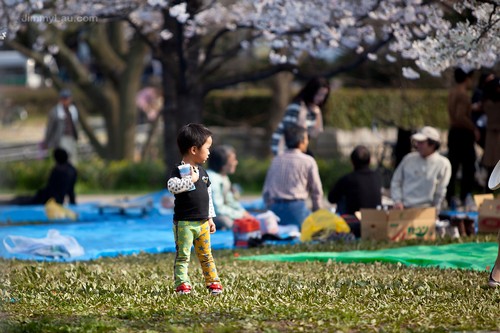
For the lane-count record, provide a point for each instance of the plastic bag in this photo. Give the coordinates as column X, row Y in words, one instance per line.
column 321, row 220
column 268, row 222
column 54, row 245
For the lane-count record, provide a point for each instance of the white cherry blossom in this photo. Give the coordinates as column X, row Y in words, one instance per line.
column 418, row 30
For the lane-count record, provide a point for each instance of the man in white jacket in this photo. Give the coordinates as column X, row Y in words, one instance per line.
column 420, row 180
column 61, row 130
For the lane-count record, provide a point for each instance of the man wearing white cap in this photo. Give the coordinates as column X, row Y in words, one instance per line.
column 421, row 178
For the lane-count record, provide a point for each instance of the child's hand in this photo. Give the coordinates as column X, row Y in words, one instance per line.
column 211, row 225
column 194, row 174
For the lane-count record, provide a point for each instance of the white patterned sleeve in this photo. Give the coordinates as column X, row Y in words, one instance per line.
column 211, row 209
column 177, row 185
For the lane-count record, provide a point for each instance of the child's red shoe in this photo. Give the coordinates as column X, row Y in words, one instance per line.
column 183, row 289
column 215, row 288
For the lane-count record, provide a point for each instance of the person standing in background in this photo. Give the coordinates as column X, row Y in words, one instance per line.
column 491, row 107
column 61, row 130
column 478, row 115
column 462, row 136
column 304, row 111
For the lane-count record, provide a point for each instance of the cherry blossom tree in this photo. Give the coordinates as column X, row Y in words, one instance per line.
column 197, row 41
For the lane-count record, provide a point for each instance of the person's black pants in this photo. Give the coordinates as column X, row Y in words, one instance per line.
column 461, row 153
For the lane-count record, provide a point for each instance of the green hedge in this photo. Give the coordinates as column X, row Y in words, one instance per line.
column 351, row 108
column 98, row 176
column 35, row 101
column 346, row 108
column 93, row 176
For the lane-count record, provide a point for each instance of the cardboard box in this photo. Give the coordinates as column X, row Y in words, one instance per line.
column 479, row 198
column 489, row 216
column 396, row 225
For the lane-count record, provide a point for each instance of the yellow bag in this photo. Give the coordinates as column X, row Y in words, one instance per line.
column 55, row 211
column 320, row 220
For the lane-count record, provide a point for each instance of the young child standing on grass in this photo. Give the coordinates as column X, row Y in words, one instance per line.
column 193, row 210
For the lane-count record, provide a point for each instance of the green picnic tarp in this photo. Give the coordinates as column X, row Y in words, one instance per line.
column 475, row 256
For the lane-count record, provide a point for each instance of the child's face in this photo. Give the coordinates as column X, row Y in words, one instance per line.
column 202, row 153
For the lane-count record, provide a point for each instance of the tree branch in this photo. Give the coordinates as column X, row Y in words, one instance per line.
column 145, row 38
column 491, row 24
column 357, row 61
column 108, row 60
column 249, row 77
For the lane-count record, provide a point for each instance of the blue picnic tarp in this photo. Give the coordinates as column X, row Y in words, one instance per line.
column 100, row 234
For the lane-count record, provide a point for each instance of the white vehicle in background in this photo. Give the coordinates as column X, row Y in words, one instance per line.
column 18, row 70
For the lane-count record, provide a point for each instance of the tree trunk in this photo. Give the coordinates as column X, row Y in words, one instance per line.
column 281, row 96
column 128, row 88
column 179, row 110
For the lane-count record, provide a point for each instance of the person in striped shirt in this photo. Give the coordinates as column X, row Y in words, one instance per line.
column 304, row 111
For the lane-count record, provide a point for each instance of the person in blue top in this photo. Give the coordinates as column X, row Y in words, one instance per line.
column 221, row 164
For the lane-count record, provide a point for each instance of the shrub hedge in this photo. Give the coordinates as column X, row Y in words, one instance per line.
column 98, row 176
column 352, row 108
column 346, row 108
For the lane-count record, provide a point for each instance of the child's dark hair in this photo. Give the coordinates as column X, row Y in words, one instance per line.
column 192, row 135
column 294, row 135
column 219, row 156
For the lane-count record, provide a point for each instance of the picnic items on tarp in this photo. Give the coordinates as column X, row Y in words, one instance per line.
column 324, row 225
column 246, row 231
column 54, row 245
column 268, row 222
column 262, row 229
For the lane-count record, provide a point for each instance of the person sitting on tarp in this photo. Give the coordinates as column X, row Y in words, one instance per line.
column 221, row 164
column 61, row 183
column 422, row 177
column 293, row 177
column 358, row 189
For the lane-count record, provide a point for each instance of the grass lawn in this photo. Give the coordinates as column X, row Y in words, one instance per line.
column 134, row 294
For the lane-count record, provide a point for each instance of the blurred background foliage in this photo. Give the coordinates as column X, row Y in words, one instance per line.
column 347, row 108
column 99, row 176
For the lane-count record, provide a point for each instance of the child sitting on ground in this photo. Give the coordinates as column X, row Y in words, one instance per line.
column 193, row 210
